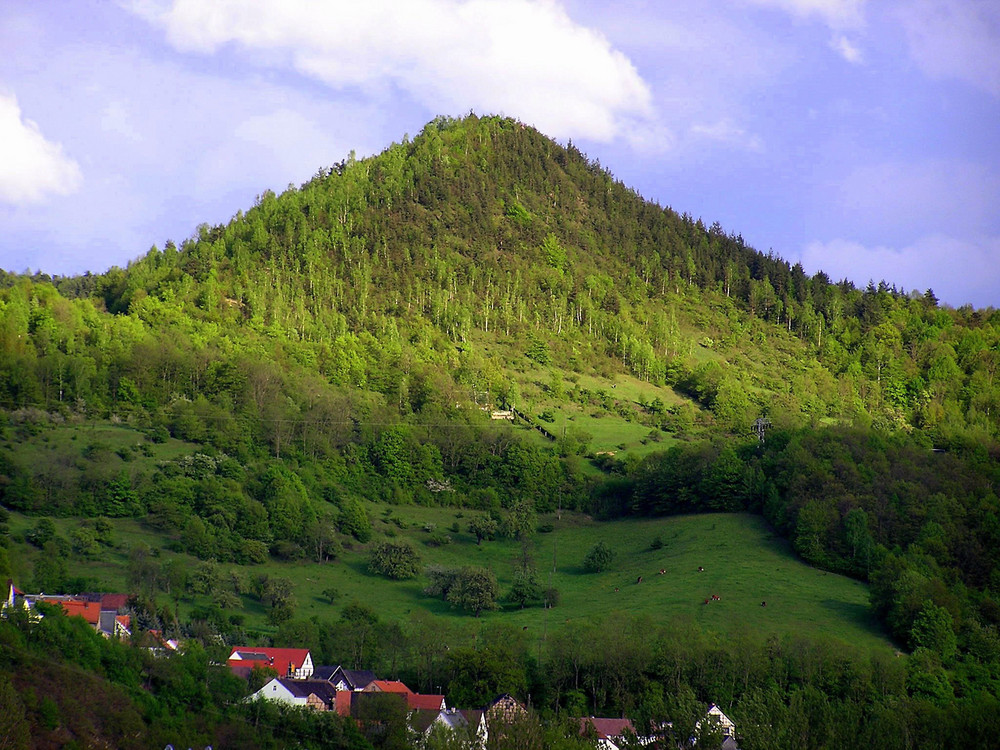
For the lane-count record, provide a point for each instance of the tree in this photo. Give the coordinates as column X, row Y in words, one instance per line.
column 483, row 527
column 599, row 558
column 396, row 560
column 382, row 717
column 277, row 594
column 474, row 590
column 354, row 520
column 934, row 631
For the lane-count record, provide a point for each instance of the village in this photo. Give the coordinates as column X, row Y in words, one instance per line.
column 290, row 677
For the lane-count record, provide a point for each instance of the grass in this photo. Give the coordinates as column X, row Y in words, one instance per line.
column 744, row 564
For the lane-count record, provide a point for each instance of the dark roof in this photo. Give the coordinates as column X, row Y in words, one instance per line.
column 324, row 672
column 356, row 679
column 304, row 688
column 422, row 718
column 253, row 656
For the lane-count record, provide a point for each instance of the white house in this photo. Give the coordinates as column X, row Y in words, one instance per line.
column 726, row 724
column 316, row 694
column 287, row 662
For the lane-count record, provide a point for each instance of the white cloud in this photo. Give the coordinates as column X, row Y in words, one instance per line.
column 959, row 271
column 525, row 58
column 955, row 39
column 835, row 13
column 31, row 167
column 846, row 49
column 726, row 132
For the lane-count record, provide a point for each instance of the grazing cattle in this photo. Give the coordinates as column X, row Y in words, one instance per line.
column 701, row 569
column 706, row 601
column 662, row 571
column 616, row 589
column 763, row 604
column 639, row 579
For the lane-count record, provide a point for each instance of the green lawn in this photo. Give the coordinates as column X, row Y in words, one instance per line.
column 744, row 564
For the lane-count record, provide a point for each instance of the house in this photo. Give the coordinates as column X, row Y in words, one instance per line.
column 14, row 597
column 504, row 707
column 295, row 663
column 503, row 710
column 110, row 624
column 387, row 686
column 454, row 722
column 610, row 733
column 318, row 695
column 414, row 701
column 107, row 622
column 345, row 679
column 726, row 724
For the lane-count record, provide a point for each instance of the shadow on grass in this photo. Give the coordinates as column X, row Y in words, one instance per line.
column 853, row 611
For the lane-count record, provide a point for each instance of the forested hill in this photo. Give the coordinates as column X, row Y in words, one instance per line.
column 393, row 275
column 257, row 395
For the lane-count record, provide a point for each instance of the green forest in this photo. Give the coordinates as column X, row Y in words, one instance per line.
column 421, row 372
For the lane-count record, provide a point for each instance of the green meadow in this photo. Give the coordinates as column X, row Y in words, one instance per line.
column 744, row 564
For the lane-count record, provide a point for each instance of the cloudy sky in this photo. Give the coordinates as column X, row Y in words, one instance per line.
column 861, row 137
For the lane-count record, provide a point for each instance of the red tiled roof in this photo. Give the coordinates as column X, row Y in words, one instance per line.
column 607, row 728
column 389, row 686
column 89, row 611
column 278, row 659
column 419, row 702
column 114, row 601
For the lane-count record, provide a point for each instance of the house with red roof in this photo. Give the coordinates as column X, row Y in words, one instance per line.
column 414, row 701
column 387, row 686
column 13, row 597
column 89, row 611
column 295, row 663
column 610, row 733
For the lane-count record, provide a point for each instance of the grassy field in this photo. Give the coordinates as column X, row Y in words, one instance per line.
column 744, row 564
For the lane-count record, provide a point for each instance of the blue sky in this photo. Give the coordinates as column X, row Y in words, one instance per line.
column 860, row 137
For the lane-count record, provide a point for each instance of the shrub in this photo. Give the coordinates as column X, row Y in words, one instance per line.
column 396, row 560
column 599, row 558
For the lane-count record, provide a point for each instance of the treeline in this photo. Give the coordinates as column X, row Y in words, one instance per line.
column 920, row 525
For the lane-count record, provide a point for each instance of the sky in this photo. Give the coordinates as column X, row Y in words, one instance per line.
column 857, row 137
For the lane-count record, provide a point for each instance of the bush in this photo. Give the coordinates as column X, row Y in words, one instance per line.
column 396, row 560
column 158, row 434
column 599, row 558
column 438, row 539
